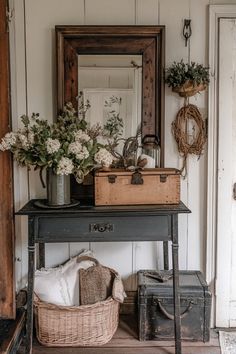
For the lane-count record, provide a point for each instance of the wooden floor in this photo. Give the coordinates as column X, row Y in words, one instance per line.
column 125, row 341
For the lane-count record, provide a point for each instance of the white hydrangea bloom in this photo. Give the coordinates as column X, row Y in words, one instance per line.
column 83, row 154
column 23, row 140
column 103, row 157
column 80, row 135
column 80, row 151
column 8, row 141
column 31, row 138
column 52, row 145
column 74, row 148
column 65, row 166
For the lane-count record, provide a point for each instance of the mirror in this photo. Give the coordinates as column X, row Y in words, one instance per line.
column 113, row 86
column 97, row 60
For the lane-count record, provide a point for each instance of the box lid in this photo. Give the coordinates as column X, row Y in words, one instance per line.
column 191, row 282
column 147, row 171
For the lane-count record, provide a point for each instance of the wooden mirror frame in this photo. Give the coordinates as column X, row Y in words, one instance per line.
column 148, row 41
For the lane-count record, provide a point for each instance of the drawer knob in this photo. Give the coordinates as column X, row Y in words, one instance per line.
column 103, row 227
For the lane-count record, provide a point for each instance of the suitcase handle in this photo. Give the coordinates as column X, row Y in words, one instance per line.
column 169, row 315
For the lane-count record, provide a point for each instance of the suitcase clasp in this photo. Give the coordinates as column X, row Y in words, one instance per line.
column 136, row 178
column 111, row 178
column 163, row 178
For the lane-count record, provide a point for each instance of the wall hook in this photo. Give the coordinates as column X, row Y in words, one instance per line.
column 187, row 30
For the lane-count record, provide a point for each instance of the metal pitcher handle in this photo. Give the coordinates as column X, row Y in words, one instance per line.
column 169, row 315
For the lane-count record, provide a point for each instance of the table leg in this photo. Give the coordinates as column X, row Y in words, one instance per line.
column 176, row 292
column 30, row 288
column 166, row 255
column 41, row 255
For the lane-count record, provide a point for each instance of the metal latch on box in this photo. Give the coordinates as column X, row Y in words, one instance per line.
column 111, row 178
column 163, row 178
column 136, row 178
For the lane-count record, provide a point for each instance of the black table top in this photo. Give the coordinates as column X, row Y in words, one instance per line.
column 31, row 209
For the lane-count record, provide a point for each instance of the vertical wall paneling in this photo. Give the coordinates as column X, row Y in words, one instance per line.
column 147, row 12
column 147, row 254
column 172, row 16
column 110, row 12
column 41, row 19
column 197, row 167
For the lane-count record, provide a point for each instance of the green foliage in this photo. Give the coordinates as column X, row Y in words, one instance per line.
column 41, row 145
column 178, row 73
column 114, row 124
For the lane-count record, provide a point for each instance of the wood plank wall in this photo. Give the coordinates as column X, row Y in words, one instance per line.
column 7, row 286
column 33, row 51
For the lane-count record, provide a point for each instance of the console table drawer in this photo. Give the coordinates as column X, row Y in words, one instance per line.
column 69, row 229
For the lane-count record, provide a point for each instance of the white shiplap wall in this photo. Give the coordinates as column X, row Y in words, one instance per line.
column 33, row 90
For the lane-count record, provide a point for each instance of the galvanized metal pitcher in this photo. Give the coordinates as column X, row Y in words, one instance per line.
column 58, row 188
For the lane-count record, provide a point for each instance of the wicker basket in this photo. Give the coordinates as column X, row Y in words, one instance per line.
column 188, row 89
column 86, row 325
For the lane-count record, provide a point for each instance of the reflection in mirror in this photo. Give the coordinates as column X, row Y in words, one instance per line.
column 113, row 86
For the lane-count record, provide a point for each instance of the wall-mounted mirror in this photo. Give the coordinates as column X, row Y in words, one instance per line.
column 113, row 86
column 118, row 68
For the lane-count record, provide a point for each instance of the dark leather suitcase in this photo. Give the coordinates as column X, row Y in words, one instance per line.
column 156, row 309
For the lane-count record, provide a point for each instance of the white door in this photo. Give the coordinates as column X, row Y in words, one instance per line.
column 226, row 204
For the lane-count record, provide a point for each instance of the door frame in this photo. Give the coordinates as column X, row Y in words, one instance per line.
column 7, row 281
column 216, row 12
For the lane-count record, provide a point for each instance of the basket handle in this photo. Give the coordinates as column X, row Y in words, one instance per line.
column 169, row 315
column 87, row 258
column 97, row 263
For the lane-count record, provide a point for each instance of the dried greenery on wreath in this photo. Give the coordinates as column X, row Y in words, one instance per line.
column 179, row 129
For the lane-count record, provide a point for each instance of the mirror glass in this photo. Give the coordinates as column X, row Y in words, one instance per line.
column 113, row 86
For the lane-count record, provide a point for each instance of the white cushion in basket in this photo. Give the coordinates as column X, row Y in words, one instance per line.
column 60, row 285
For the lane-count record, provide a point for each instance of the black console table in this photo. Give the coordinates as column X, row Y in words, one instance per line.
column 98, row 224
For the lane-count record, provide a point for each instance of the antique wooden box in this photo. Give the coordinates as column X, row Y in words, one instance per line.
column 150, row 186
column 156, row 309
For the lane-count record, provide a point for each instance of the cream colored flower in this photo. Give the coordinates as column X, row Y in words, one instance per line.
column 52, row 145
column 83, row 154
column 75, row 148
column 103, row 157
column 81, row 136
column 8, row 141
column 65, row 166
column 23, row 141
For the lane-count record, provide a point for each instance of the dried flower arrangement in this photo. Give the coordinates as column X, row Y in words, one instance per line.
column 126, row 157
column 67, row 146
